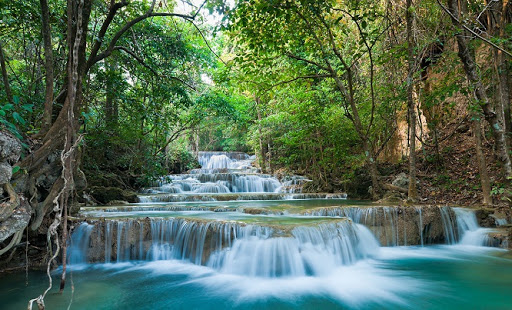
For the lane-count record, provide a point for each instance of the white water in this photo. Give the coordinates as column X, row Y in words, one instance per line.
column 309, row 251
column 79, row 243
column 224, row 172
column 253, row 250
column 469, row 230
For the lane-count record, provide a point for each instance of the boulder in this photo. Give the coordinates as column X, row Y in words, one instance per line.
column 10, row 148
column 401, row 180
column 107, row 194
column 5, row 173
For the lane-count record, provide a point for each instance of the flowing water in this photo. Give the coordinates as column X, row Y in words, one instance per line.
column 222, row 250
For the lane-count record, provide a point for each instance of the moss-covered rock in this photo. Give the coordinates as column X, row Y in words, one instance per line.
column 105, row 195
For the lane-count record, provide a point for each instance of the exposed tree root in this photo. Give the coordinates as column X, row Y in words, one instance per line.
column 14, row 241
column 7, row 208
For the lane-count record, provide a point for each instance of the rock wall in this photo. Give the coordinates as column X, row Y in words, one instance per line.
column 400, row 225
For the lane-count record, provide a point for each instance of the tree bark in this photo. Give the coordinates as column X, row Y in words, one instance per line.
column 412, row 194
column 263, row 161
column 5, row 77
column 111, row 108
column 502, row 61
column 482, row 164
column 48, row 66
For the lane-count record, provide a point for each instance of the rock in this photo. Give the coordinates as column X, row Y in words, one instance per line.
column 484, row 218
column 117, row 202
column 401, row 180
column 107, row 194
column 16, row 222
column 10, row 147
column 391, row 197
column 5, row 173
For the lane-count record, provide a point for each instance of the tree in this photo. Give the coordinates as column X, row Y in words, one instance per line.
column 411, row 63
column 320, row 37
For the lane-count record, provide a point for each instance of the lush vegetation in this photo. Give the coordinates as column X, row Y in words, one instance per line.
column 320, row 88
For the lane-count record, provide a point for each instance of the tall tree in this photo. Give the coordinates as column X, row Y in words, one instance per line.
column 412, row 191
column 48, row 67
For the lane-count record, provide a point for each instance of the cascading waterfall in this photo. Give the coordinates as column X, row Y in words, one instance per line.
column 309, row 251
column 221, row 173
column 231, row 247
column 79, row 244
column 338, row 236
column 394, row 226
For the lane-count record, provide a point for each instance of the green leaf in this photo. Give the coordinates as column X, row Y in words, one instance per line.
column 27, row 107
column 15, row 169
column 17, row 117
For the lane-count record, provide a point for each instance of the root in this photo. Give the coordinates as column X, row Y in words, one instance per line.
column 42, row 209
column 14, row 241
column 7, row 208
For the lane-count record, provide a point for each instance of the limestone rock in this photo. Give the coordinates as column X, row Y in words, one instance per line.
column 16, row 222
column 10, row 148
column 107, row 194
column 5, row 173
column 401, row 180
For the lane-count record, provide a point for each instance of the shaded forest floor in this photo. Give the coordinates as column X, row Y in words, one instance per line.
column 449, row 175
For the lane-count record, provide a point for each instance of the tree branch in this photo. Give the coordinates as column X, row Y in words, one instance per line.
column 101, row 34
column 127, row 26
column 207, row 44
column 290, row 55
column 458, row 22
column 299, row 78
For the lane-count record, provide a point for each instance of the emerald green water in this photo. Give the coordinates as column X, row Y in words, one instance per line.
column 438, row 277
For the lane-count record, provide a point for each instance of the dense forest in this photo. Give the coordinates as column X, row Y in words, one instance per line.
column 402, row 101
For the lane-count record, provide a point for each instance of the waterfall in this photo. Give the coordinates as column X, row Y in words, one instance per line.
column 469, row 231
column 229, row 246
column 394, row 226
column 383, row 222
column 461, row 227
column 420, row 226
column 222, row 173
column 79, row 244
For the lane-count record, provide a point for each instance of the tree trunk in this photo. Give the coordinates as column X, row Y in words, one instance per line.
column 412, row 194
column 502, row 61
column 5, row 77
column 356, row 120
column 48, row 66
column 111, row 107
column 482, row 164
column 263, row 161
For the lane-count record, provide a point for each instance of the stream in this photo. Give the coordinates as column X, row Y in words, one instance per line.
column 228, row 237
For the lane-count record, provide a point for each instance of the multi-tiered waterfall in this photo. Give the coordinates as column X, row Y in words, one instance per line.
column 227, row 176
column 209, row 217
column 227, row 237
